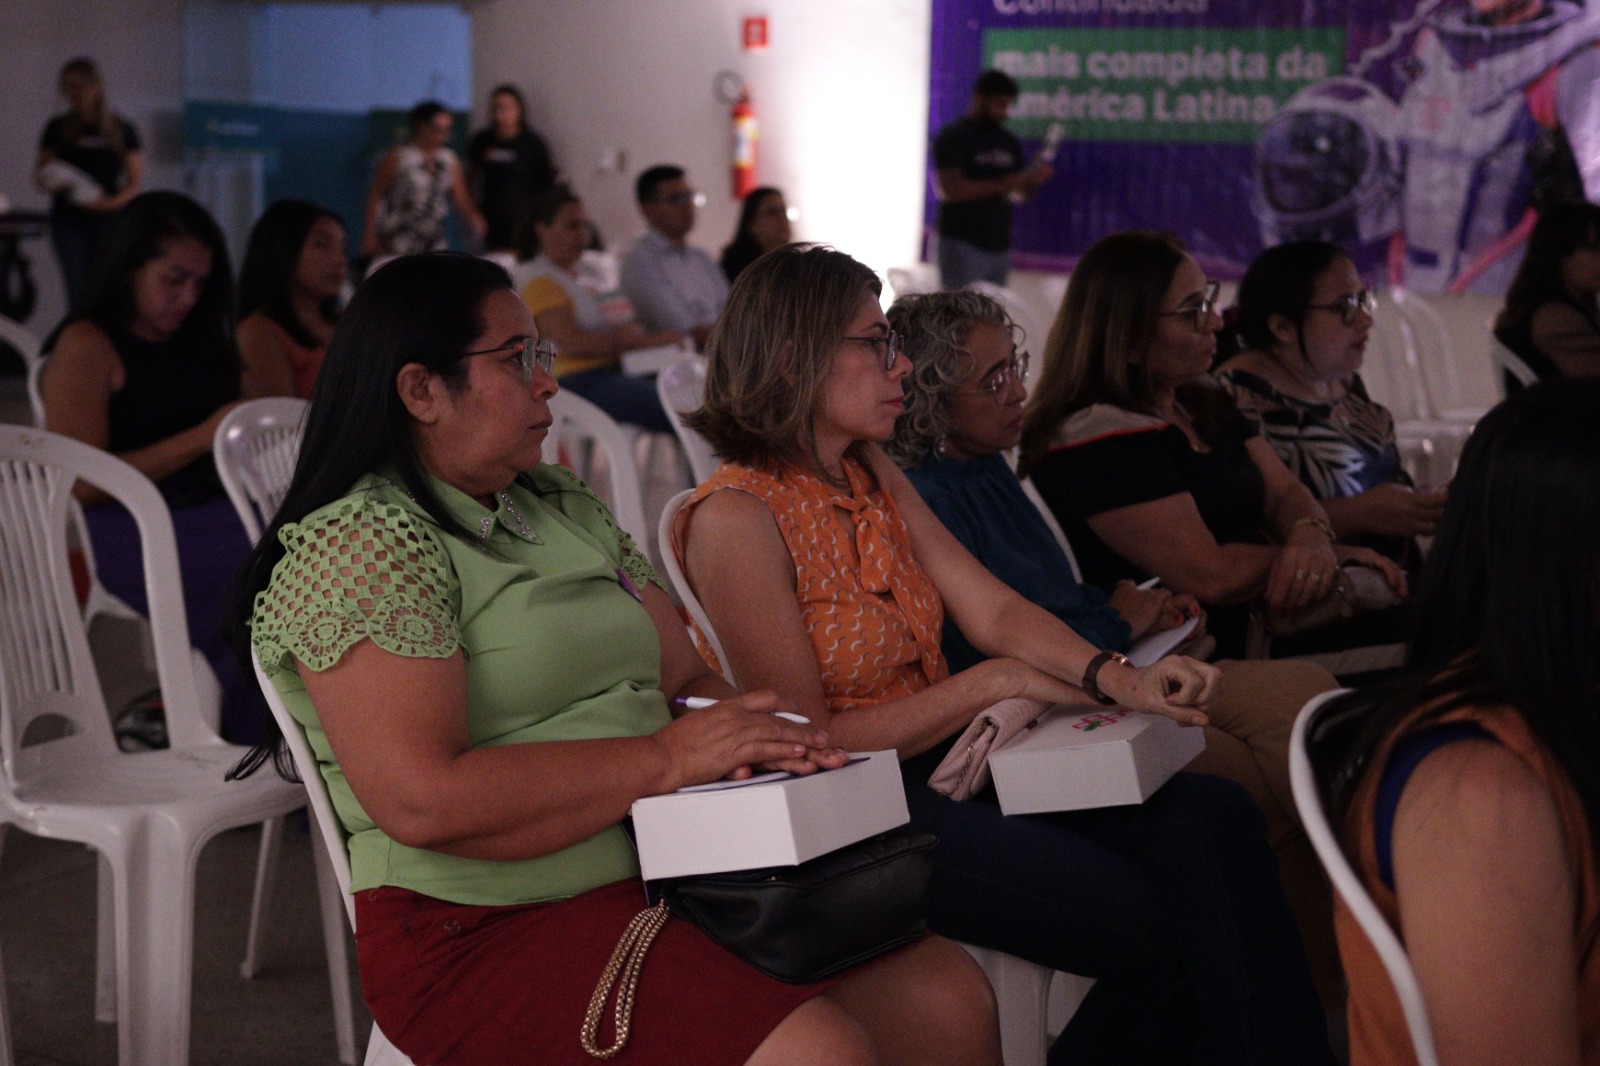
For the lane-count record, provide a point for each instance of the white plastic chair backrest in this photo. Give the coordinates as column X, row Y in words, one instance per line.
column 1031, row 490
column 45, row 665
column 672, row 562
column 908, row 280
column 1384, row 368
column 255, row 447
column 577, row 419
column 27, row 345
column 1438, row 376
column 1308, row 801
column 1504, row 359
column 333, row 834
column 1035, row 324
column 681, row 387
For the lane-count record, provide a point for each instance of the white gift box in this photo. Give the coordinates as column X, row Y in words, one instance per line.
column 727, row 826
column 1076, row 757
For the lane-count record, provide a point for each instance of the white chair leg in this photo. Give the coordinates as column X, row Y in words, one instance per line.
column 382, row 1053
column 155, row 920
column 5, row 1015
column 261, row 898
column 1021, row 989
column 333, row 937
column 105, row 942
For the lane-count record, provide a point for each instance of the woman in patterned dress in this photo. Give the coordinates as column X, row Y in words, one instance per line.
column 828, row 580
column 1303, row 321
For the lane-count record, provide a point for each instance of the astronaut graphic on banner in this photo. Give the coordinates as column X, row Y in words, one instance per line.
column 1500, row 113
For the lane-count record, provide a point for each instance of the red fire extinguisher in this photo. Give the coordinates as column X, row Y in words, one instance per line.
column 745, row 133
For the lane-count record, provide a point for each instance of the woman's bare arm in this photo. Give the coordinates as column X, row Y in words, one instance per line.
column 266, row 369
column 398, row 728
column 1488, row 909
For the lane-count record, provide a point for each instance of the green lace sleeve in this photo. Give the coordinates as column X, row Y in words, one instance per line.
column 579, row 502
column 357, row 570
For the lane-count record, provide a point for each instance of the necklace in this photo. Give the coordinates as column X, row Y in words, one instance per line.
column 519, row 526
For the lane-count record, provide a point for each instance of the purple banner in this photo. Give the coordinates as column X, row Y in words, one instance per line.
column 1419, row 135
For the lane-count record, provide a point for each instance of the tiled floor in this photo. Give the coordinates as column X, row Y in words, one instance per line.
column 47, row 912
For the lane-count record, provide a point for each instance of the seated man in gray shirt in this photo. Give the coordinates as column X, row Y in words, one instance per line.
column 671, row 285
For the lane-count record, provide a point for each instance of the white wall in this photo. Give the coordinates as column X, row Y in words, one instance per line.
column 841, row 93
column 139, row 46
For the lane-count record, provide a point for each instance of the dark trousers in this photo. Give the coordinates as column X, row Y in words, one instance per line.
column 1173, row 906
column 76, row 237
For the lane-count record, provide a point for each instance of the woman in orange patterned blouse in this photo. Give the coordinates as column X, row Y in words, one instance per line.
column 827, row 579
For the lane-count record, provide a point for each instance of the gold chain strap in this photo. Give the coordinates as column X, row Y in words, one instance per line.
column 623, row 972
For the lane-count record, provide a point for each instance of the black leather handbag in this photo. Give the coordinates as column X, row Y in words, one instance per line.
column 793, row 923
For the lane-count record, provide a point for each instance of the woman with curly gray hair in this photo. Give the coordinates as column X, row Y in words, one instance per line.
column 963, row 410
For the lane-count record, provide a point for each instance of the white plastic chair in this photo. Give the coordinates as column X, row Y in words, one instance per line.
column 148, row 814
column 918, row 277
column 1314, row 816
column 255, row 447
column 681, row 387
column 332, row 852
column 1506, row 361
column 576, row 421
column 27, row 345
column 1030, row 996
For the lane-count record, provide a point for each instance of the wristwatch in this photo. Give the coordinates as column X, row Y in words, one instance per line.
column 1093, row 670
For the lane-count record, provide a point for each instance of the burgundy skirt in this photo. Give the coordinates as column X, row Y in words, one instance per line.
column 449, row 983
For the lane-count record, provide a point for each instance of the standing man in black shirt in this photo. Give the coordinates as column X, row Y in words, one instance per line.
column 978, row 172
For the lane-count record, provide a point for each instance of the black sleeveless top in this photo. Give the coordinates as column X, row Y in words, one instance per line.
column 168, row 387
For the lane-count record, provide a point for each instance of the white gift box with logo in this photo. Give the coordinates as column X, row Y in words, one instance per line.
column 1077, row 757
column 730, row 826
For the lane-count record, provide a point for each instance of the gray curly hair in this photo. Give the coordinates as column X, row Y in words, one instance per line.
column 934, row 328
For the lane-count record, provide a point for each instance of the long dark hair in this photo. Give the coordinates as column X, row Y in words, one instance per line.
column 507, row 89
column 1509, row 607
column 1109, row 314
column 1280, row 281
column 743, row 249
column 1562, row 229
column 424, row 309
column 140, row 232
column 270, row 259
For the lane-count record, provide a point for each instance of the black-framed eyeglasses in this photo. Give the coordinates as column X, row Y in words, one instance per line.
column 530, row 353
column 892, row 346
column 1000, row 381
column 1349, row 305
column 1200, row 313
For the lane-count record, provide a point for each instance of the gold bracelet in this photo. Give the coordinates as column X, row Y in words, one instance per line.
column 1313, row 520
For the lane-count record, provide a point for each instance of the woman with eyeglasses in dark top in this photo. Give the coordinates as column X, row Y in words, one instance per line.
column 1304, row 318
column 1148, row 465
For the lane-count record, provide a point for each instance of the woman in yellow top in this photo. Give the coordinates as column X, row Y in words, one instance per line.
column 587, row 317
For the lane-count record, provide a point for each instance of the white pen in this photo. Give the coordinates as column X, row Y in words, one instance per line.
column 1152, row 583
column 694, row 703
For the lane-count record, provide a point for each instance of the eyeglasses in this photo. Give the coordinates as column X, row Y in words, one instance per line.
column 687, row 196
column 1348, row 305
column 1200, row 313
column 892, row 346
column 1016, row 370
column 530, row 353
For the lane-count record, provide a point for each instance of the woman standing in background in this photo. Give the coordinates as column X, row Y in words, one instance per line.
column 91, row 165
column 508, row 166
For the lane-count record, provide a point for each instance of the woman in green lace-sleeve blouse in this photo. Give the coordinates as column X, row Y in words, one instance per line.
column 482, row 663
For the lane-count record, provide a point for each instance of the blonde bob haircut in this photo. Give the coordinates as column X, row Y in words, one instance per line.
column 1095, row 351
column 772, row 347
